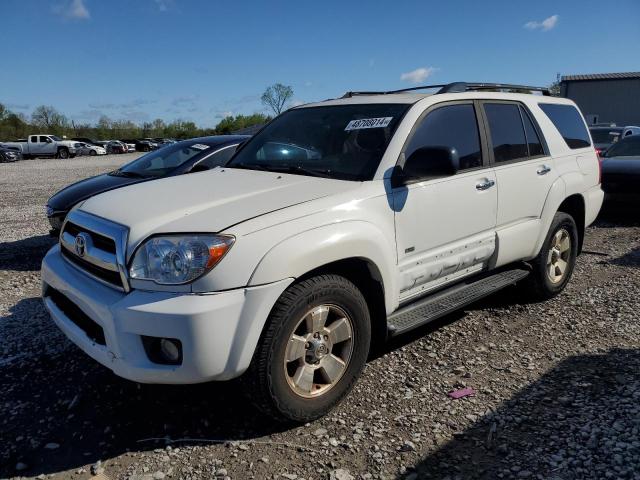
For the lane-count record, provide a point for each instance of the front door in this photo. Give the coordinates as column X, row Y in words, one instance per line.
column 445, row 227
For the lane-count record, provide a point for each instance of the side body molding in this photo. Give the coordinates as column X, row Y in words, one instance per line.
column 303, row 252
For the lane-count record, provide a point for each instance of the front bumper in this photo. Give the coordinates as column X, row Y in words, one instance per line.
column 218, row 331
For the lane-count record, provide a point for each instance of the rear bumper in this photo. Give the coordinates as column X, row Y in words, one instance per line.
column 593, row 203
column 218, row 331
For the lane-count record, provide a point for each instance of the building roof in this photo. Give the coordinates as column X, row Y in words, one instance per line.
column 601, row 76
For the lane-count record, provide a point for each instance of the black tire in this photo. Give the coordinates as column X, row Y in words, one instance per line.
column 63, row 153
column 92, row 153
column 539, row 285
column 266, row 383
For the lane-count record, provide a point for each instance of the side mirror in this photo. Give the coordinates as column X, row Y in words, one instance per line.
column 199, row 168
column 430, row 162
column 49, row 140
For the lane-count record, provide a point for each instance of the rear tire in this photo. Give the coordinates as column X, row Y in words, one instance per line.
column 92, row 153
column 553, row 267
column 312, row 350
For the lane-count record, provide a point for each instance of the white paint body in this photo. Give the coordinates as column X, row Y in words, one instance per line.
column 415, row 239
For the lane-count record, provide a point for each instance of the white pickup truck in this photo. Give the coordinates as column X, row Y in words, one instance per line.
column 43, row 146
column 338, row 225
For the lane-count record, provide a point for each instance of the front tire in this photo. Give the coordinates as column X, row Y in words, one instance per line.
column 63, row 153
column 313, row 348
column 553, row 267
column 92, row 153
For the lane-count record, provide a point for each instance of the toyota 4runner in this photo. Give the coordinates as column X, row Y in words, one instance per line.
column 339, row 224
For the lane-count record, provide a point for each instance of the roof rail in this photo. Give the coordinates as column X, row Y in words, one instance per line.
column 457, row 87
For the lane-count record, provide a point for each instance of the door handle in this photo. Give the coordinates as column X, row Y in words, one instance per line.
column 485, row 185
column 543, row 170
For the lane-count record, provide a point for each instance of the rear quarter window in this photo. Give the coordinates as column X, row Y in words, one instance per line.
column 569, row 123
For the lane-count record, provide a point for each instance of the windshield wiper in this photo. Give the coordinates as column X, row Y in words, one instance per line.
column 285, row 169
column 120, row 173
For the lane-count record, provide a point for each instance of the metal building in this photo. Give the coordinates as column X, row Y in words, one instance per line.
column 605, row 97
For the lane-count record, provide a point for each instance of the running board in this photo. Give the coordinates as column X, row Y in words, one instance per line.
column 449, row 300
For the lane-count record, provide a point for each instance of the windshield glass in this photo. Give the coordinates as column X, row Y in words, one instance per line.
column 344, row 142
column 629, row 147
column 55, row 138
column 605, row 135
column 161, row 162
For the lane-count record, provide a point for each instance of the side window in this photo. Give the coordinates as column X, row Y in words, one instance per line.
column 34, row 139
column 569, row 123
column 43, row 139
column 507, row 132
column 533, row 140
column 220, row 157
column 450, row 126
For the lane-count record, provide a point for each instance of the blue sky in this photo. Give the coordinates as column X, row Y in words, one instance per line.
column 200, row 60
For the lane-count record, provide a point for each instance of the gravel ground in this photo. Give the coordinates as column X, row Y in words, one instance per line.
column 557, row 384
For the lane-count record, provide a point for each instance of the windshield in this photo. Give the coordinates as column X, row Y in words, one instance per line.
column 344, row 142
column 163, row 161
column 55, row 138
column 605, row 135
column 629, row 147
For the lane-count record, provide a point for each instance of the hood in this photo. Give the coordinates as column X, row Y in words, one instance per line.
column 621, row 165
column 208, row 201
column 76, row 192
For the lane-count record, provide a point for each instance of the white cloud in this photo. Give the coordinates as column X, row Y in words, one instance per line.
column 163, row 5
column 224, row 114
column 73, row 9
column 545, row 25
column 418, row 75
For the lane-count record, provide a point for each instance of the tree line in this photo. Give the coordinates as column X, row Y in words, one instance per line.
column 46, row 119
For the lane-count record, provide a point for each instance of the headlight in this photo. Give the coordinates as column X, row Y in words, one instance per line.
column 177, row 259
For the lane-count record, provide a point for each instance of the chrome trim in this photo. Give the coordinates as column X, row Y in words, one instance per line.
column 93, row 255
column 118, row 233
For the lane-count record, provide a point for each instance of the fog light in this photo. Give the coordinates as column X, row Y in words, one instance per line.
column 170, row 350
column 163, row 351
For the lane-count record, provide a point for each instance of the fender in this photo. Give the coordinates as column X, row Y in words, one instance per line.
column 565, row 186
column 311, row 249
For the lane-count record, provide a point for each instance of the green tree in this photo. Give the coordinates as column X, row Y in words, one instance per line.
column 276, row 97
column 231, row 124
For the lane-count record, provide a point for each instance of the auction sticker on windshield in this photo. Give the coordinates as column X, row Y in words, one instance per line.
column 381, row 122
column 200, row 146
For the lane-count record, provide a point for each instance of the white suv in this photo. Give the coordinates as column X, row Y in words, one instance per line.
column 339, row 224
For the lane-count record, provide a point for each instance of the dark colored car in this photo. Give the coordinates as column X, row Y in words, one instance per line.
column 141, row 145
column 187, row 156
column 621, row 167
column 115, row 146
column 9, row 155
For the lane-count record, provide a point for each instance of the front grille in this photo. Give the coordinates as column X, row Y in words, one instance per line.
column 100, row 241
column 108, row 276
column 77, row 316
column 95, row 246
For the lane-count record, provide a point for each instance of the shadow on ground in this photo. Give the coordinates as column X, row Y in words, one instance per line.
column 25, row 255
column 51, row 392
column 581, row 415
column 618, row 212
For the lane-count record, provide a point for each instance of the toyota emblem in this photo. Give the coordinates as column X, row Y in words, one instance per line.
column 81, row 244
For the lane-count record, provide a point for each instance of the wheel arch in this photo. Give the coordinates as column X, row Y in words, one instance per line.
column 574, row 205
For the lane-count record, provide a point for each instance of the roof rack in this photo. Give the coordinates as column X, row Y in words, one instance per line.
column 457, row 87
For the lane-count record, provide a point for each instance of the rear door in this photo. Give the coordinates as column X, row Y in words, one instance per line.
column 524, row 171
column 445, row 227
